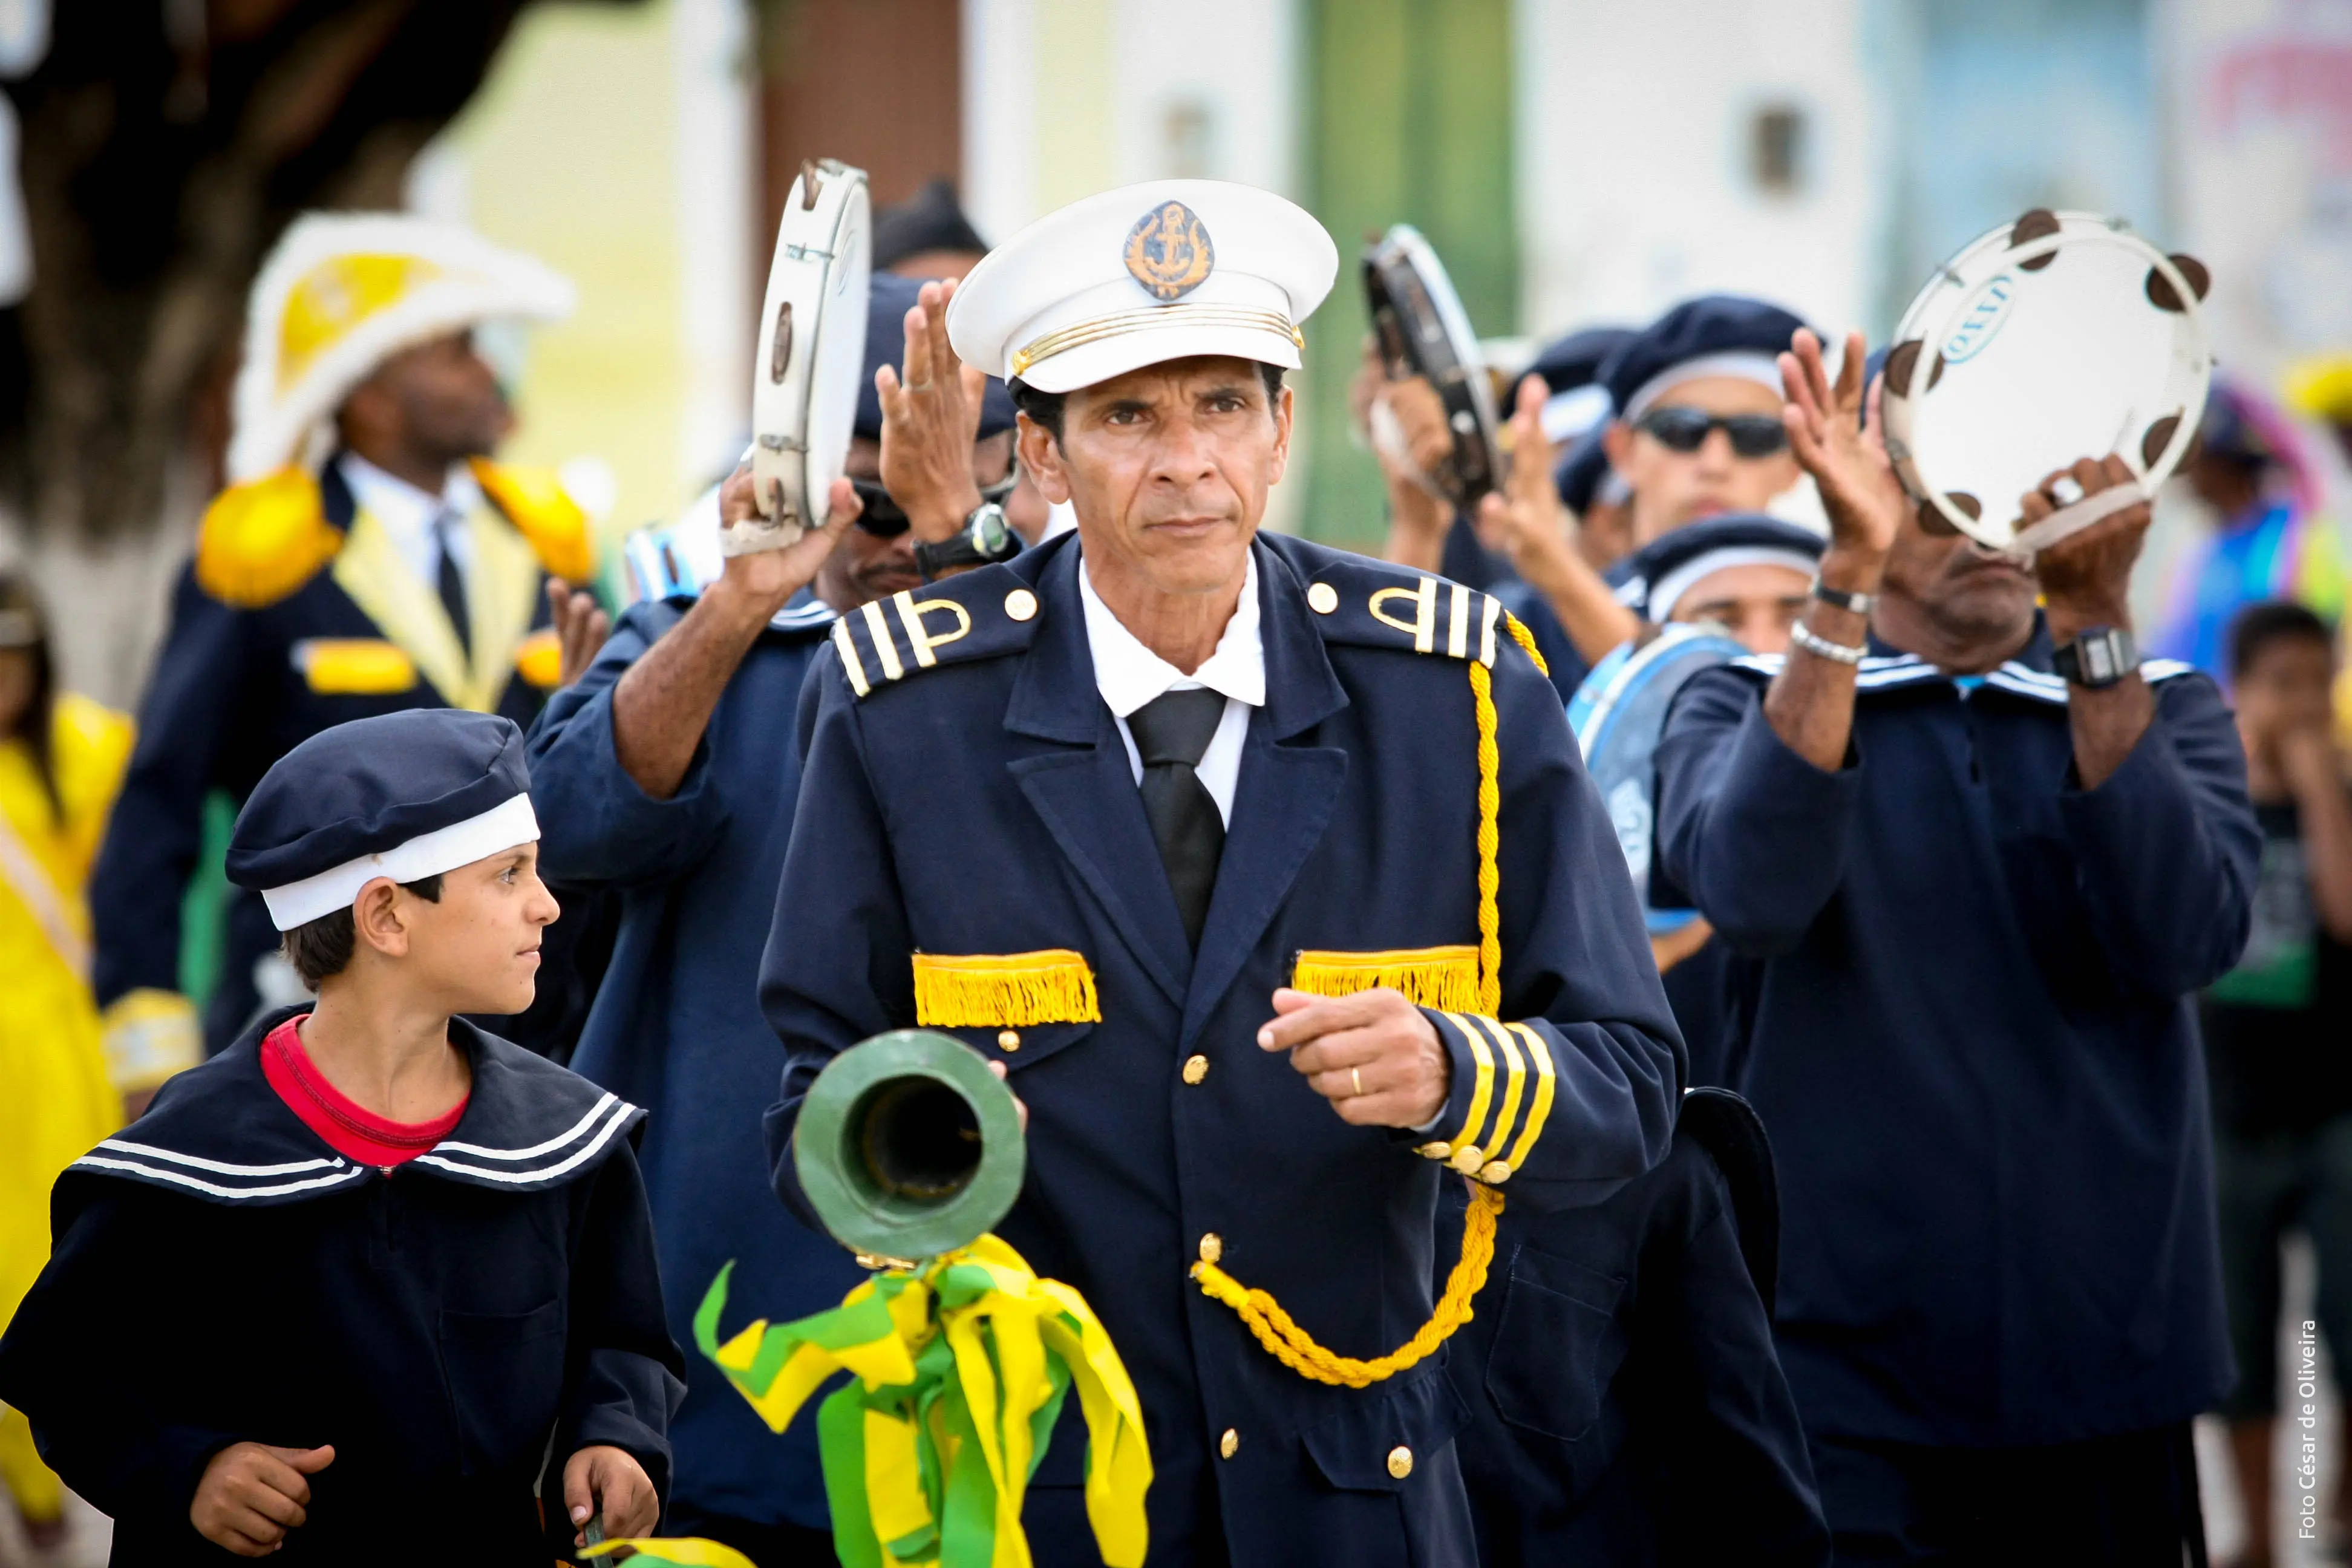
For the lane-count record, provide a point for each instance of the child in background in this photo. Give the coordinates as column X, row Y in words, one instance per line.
column 2276, row 1037
column 61, row 760
column 372, row 1286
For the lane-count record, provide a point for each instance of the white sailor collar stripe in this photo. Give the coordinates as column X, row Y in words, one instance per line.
column 621, row 1114
column 1879, row 672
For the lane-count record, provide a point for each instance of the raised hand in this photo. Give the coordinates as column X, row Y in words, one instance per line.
column 1526, row 512
column 929, row 421
column 1845, row 454
column 580, row 627
column 765, row 579
column 2086, row 577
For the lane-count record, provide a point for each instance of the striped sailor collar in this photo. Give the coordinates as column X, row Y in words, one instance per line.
column 219, row 1132
column 2030, row 673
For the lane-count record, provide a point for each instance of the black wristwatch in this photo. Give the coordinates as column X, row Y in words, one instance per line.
column 984, row 537
column 2097, row 658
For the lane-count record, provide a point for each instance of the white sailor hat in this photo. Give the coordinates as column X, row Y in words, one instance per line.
column 1151, row 272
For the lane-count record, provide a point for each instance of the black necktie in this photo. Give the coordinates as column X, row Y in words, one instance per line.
column 1170, row 733
column 453, row 580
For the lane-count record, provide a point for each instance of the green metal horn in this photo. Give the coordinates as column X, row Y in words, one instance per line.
column 908, row 1146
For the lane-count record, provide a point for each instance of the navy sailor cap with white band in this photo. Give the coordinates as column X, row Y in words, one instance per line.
column 1713, row 336
column 406, row 795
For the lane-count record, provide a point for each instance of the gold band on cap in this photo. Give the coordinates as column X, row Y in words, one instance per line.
column 1122, row 322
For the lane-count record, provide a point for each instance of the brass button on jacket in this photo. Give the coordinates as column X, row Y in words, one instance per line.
column 1228, row 1443
column 1400, row 1461
column 1195, row 1069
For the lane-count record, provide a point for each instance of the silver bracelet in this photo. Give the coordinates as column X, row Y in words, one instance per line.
column 1819, row 646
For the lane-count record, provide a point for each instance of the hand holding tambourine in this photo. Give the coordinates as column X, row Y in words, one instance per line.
column 2085, row 576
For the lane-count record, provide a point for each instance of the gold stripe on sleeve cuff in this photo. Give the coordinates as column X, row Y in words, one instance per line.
column 1546, row 1084
column 1466, row 1143
column 1514, row 1086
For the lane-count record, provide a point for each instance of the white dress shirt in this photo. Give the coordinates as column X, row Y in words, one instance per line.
column 1129, row 675
column 408, row 515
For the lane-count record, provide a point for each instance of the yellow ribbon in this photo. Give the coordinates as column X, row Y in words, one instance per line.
column 961, row 1368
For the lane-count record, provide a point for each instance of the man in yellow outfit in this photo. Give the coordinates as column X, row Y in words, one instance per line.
column 368, row 556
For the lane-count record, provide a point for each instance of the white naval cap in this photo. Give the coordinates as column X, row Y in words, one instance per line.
column 1129, row 277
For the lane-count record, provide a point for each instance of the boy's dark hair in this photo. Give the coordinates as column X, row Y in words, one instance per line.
column 1045, row 408
column 321, row 948
column 2257, row 627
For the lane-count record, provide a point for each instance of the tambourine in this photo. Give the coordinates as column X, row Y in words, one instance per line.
column 1423, row 331
column 1619, row 714
column 2059, row 337
column 810, row 356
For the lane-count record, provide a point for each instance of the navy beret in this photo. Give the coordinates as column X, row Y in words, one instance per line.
column 1649, row 581
column 929, row 220
column 1577, row 359
column 1713, row 326
column 885, row 344
column 1580, row 471
column 404, row 796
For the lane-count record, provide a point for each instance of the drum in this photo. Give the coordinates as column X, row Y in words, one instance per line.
column 1619, row 714
column 1423, row 331
column 811, row 355
column 2058, row 337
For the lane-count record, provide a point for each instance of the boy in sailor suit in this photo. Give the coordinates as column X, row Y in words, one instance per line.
column 413, row 1302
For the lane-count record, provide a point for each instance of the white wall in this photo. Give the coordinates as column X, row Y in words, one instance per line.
column 1065, row 98
column 2262, row 116
column 1634, row 185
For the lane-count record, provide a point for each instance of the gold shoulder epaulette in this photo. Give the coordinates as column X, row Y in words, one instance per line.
column 1371, row 604
column 544, row 513
column 975, row 614
column 263, row 538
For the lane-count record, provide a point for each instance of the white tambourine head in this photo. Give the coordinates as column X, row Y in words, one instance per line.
column 810, row 357
column 2058, row 337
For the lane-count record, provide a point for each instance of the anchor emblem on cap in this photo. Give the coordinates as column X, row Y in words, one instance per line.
column 1167, row 251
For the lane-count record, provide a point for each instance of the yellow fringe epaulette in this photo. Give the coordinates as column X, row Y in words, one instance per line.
column 263, row 538
column 543, row 512
column 1442, row 977
column 540, row 659
column 1004, row 991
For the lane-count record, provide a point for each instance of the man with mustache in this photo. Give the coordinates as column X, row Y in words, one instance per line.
column 1977, row 860
column 1268, row 873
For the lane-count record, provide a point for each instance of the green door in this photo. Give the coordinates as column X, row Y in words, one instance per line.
column 1409, row 120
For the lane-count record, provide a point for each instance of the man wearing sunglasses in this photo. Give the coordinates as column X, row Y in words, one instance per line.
column 669, row 774
column 1698, row 428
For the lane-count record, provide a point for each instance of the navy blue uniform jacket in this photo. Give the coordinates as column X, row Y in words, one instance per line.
column 977, row 799
column 677, row 1026
column 222, row 1276
column 1626, row 1405
column 235, row 687
column 1971, row 1035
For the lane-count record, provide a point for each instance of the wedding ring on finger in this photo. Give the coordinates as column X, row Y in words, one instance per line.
column 1356, row 1076
column 918, row 387
column 2064, row 489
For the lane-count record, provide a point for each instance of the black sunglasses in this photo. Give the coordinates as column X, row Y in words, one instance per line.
column 884, row 519
column 1679, row 428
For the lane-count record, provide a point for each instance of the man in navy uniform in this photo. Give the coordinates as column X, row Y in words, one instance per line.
column 1270, row 874
column 669, row 774
column 367, row 557
column 1984, row 858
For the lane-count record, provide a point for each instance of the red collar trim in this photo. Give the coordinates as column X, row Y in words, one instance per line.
column 349, row 1127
